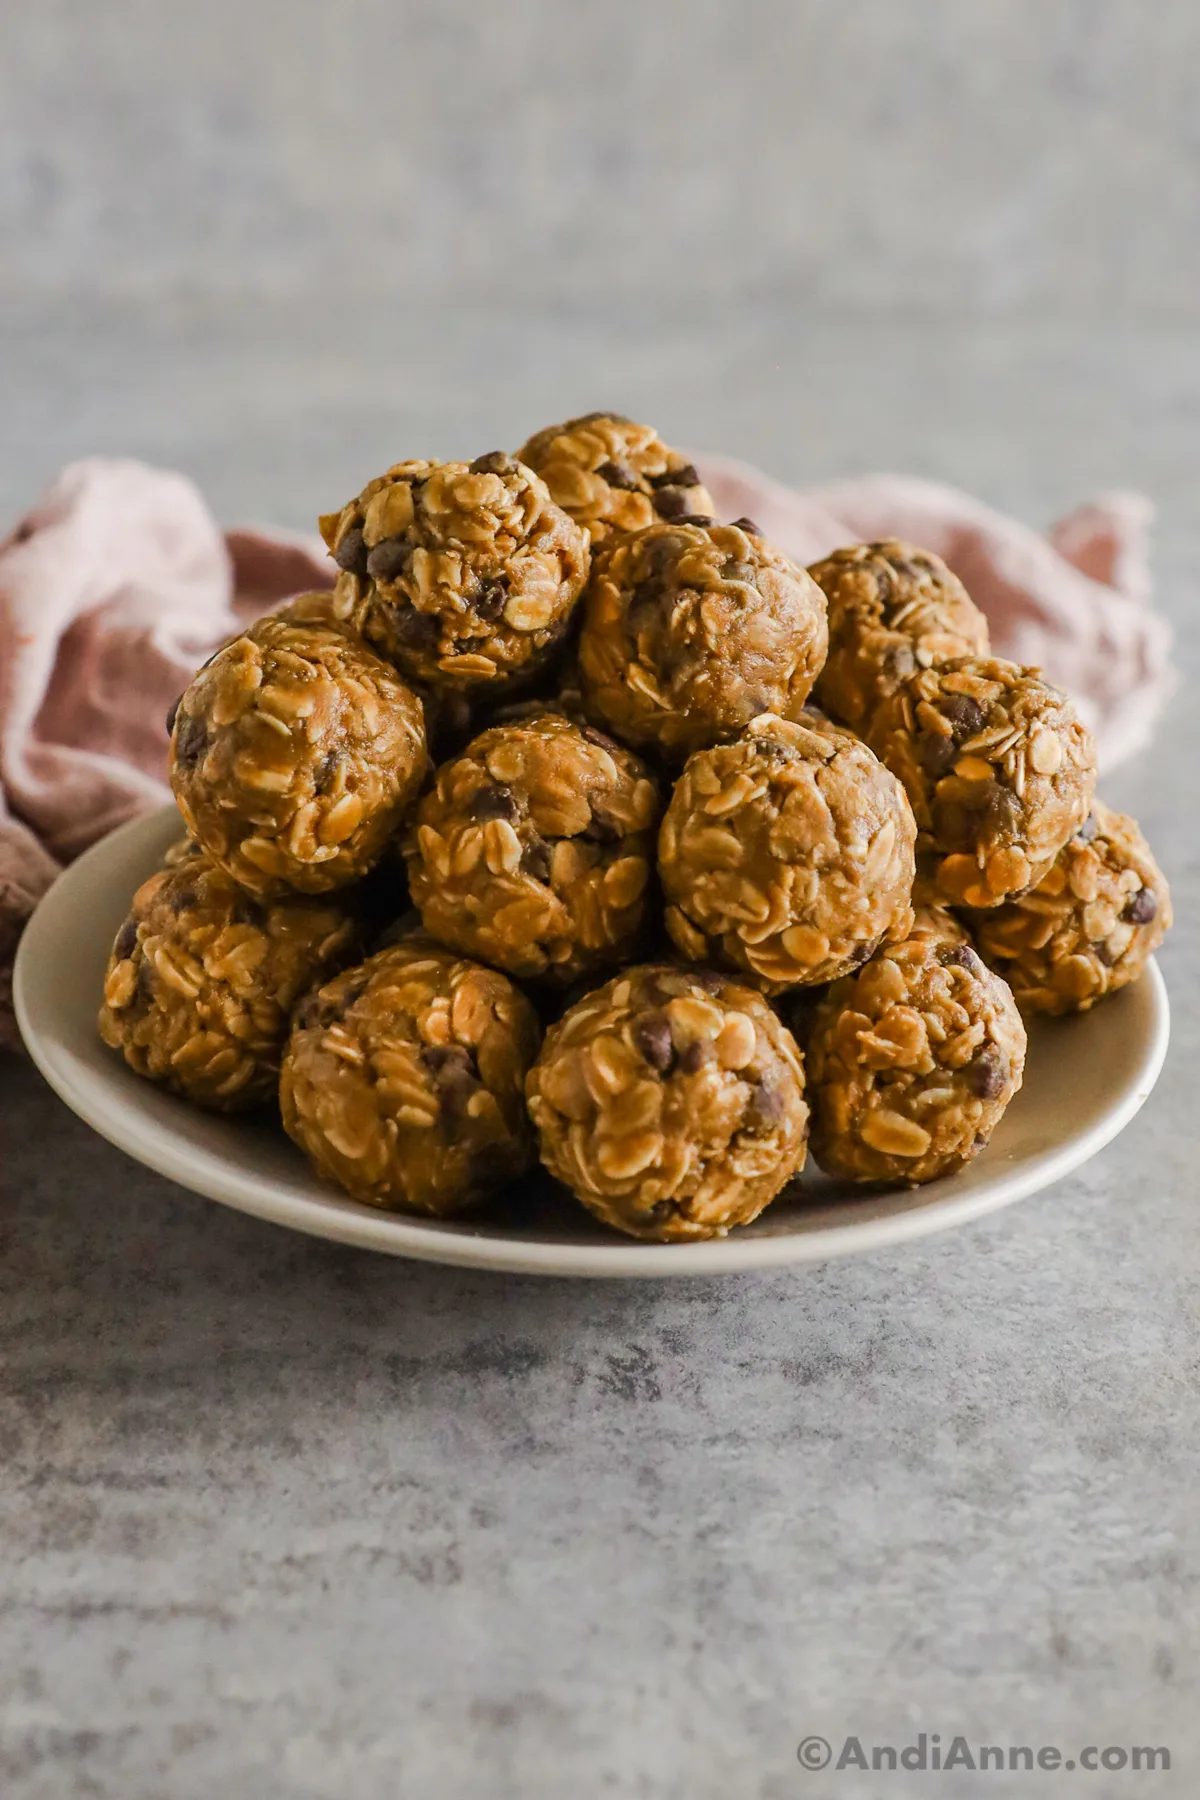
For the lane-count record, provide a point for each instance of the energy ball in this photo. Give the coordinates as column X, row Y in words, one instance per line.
column 937, row 922
column 787, row 854
column 671, row 1103
column 1088, row 927
column 692, row 630
column 534, row 848
column 404, row 1080
column 893, row 609
column 295, row 753
column 912, row 1062
column 461, row 574
column 612, row 475
column 202, row 979
column 999, row 770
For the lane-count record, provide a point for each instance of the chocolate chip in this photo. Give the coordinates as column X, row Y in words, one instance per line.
column 491, row 599
column 660, row 552
column 1141, row 908
column 493, row 802
column 1005, row 811
column 1087, row 830
column 618, row 477
column 704, row 519
column 325, row 770
column 671, row 503
column 325, row 1006
column 388, row 559
column 748, row 526
column 986, row 1073
column 766, row 1107
column 600, row 829
column 937, row 756
column 449, row 1060
column 684, row 477
column 961, row 956
column 321, row 1007
column 183, row 898
column 172, row 713
column 1104, row 954
column 738, row 571
column 457, row 1077
column 535, row 859
column 652, row 1038
column 593, row 736
column 773, row 749
column 862, row 953
column 351, row 553
column 965, row 714
column 143, row 986
column 647, row 595
column 885, row 585
column 496, row 462
column 191, row 741
column 416, row 630
column 693, row 1057
column 708, row 979
column 126, row 940
column 307, row 1012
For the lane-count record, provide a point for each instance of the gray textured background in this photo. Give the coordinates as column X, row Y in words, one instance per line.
column 280, row 1520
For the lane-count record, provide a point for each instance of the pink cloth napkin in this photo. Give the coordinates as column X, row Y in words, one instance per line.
column 118, row 583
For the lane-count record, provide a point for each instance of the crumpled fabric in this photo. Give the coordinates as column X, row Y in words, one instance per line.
column 118, row 583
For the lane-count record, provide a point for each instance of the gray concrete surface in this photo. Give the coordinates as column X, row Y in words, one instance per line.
column 283, row 1522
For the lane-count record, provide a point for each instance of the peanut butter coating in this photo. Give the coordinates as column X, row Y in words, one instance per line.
column 692, row 630
column 671, row 1103
column 404, row 1078
column 295, row 753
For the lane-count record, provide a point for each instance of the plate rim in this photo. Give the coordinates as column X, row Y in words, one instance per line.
column 343, row 1221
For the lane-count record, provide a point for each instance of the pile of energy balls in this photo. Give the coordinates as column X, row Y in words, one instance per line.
column 524, row 841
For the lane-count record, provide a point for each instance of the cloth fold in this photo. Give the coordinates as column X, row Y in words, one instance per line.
column 118, row 583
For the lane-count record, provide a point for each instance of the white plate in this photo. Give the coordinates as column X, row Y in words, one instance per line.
column 1085, row 1080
